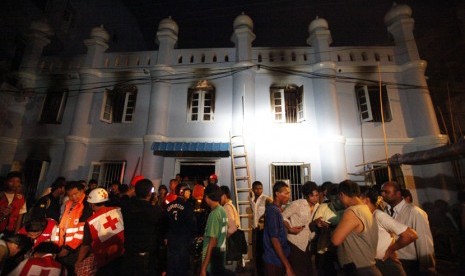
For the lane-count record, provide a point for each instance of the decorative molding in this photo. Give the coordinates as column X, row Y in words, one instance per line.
column 415, row 64
column 43, row 140
column 103, row 141
column 323, row 66
column 9, row 141
column 417, row 141
column 377, row 141
column 161, row 138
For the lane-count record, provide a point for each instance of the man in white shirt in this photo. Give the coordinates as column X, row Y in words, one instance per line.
column 297, row 217
column 418, row 257
column 258, row 202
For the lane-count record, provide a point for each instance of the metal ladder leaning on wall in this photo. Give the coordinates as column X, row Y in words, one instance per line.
column 242, row 185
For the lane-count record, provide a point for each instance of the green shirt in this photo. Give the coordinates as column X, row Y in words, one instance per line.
column 217, row 225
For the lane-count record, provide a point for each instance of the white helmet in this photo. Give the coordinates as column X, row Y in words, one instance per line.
column 97, row 195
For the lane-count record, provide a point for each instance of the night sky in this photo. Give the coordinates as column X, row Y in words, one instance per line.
column 207, row 23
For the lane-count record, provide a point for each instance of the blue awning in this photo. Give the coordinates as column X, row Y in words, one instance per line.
column 190, row 149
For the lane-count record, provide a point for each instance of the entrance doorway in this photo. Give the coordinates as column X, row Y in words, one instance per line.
column 194, row 172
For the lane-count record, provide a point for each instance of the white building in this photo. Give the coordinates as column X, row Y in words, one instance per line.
column 305, row 112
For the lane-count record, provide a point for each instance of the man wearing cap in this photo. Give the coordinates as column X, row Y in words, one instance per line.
column 49, row 205
column 42, row 262
column 179, row 215
column 103, row 234
column 213, row 179
column 171, row 196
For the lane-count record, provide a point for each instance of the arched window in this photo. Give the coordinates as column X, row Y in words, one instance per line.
column 119, row 104
column 287, row 103
column 53, row 107
column 201, row 102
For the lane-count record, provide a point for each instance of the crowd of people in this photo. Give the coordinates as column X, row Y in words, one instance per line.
column 78, row 228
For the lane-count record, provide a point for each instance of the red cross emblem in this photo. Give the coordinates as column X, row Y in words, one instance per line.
column 44, row 272
column 110, row 223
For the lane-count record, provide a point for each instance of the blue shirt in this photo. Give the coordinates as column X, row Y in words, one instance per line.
column 274, row 228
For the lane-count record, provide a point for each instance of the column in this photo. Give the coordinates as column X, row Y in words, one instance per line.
column 243, row 94
column 332, row 143
column 37, row 37
column 157, row 124
column 75, row 143
column 400, row 25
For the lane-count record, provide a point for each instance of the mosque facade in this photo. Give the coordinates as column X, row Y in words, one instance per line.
column 318, row 113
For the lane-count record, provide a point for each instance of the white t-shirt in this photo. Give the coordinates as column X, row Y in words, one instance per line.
column 387, row 226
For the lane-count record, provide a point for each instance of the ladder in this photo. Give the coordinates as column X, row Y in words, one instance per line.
column 242, row 185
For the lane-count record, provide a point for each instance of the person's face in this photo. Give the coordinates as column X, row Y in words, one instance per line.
column 92, row 186
column 33, row 235
column 114, row 188
column 162, row 193
column 61, row 190
column 314, row 197
column 389, row 193
column 75, row 195
column 283, row 195
column 187, row 194
column 173, row 185
column 224, row 199
column 257, row 190
column 178, row 178
column 14, row 184
column 343, row 198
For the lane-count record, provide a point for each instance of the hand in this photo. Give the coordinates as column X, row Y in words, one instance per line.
column 320, row 223
column 289, row 271
column 391, row 254
column 296, row 230
column 63, row 253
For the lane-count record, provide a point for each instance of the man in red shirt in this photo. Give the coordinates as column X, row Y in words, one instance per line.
column 12, row 205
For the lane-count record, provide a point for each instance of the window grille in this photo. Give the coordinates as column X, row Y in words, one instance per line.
column 294, row 174
column 105, row 172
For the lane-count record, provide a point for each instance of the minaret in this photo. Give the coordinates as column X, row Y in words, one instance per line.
column 75, row 148
column 332, row 143
column 243, row 102
column 157, row 125
column 37, row 38
column 243, row 85
column 416, row 100
column 400, row 25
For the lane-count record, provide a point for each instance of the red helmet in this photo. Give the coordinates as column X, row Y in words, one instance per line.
column 135, row 179
column 213, row 176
